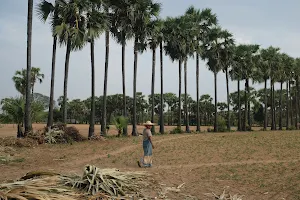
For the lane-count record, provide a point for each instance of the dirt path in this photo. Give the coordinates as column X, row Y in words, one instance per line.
column 89, row 159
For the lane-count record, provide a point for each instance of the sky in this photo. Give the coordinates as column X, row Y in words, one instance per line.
column 268, row 22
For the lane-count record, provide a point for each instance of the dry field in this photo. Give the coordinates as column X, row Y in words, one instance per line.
column 259, row 165
column 11, row 129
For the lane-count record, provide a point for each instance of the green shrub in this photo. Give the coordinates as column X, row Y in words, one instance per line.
column 291, row 128
column 120, row 122
column 176, row 130
column 221, row 124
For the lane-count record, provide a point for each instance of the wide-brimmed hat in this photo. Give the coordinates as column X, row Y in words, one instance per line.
column 148, row 123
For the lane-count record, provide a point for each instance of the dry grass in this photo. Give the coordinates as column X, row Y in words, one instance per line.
column 259, row 165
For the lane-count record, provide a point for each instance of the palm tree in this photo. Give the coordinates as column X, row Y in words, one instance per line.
column 14, row 112
column 263, row 75
column 227, row 55
column 122, row 30
column 20, row 79
column 28, row 125
column 143, row 12
column 217, row 43
column 71, row 33
column 173, row 49
column 155, row 40
column 104, row 119
column 245, row 61
column 96, row 24
column 44, row 10
column 203, row 21
column 235, row 74
column 273, row 60
column 36, row 75
column 162, row 123
column 282, row 77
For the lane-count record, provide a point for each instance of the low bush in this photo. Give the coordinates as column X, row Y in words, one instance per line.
column 176, row 130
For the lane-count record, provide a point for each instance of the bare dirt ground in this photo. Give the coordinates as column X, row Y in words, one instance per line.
column 259, row 165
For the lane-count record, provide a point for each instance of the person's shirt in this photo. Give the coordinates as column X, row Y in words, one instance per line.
column 146, row 134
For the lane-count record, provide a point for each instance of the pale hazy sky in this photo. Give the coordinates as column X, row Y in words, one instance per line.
column 268, row 22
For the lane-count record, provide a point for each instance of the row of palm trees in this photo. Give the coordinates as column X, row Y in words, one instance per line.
column 76, row 23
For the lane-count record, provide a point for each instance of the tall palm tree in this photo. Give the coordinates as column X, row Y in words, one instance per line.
column 70, row 32
column 217, row 43
column 245, row 60
column 45, row 10
column 155, row 39
column 162, row 123
column 121, row 29
column 273, row 60
column 227, row 55
column 263, row 75
column 96, row 23
column 104, row 117
column 203, row 20
column 28, row 125
column 282, row 77
column 172, row 47
column 143, row 12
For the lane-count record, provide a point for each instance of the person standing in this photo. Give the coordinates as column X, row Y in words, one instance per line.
column 146, row 161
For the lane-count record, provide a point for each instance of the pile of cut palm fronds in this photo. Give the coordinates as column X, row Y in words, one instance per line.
column 109, row 181
column 41, row 188
column 94, row 184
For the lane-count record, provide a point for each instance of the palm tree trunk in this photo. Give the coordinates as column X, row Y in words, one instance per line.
column 272, row 106
column 239, row 107
column 124, row 85
column 228, row 100
column 216, row 102
column 134, row 131
column 280, row 107
column 291, row 104
column 246, row 107
column 104, row 117
column 27, row 120
column 197, row 91
column 152, row 87
column 67, row 61
column 179, row 99
column 50, row 114
column 162, row 126
column 19, row 131
column 296, row 104
column 287, row 106
column 187, row 126
column 266, row 106
column 92, row 119
column 249, row 108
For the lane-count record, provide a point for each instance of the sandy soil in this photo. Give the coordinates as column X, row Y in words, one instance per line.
column 259, row 165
